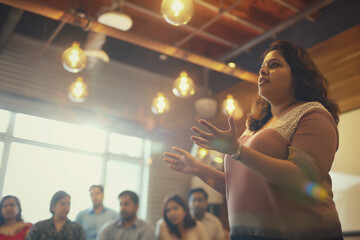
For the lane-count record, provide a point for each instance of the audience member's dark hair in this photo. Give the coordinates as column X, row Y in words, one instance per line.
column 57, row 197
column 200, row 190
column 189, row 222
column 133, row 196
column 308, row 84
column 100, row 187
column 17, row 202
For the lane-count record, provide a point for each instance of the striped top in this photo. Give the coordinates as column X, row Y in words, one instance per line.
column 307, row 135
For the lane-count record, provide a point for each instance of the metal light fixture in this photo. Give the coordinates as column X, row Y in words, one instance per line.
column 231, row 107
column 74, row 58
column 115, row 17
column 177, row 12
column 78, row 90
column 183, row 86
column 160, row 104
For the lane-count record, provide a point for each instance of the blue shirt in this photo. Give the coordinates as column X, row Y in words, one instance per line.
column 92, row 222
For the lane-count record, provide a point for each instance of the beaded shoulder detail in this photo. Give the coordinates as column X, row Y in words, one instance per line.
column 287, row 124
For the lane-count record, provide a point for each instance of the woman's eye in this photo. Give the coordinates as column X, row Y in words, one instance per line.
column 274, row 65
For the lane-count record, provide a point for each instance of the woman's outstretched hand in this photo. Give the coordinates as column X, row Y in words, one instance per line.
column 182, row 161
column 218, row 140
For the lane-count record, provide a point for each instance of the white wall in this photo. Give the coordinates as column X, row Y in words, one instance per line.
column 346, row 171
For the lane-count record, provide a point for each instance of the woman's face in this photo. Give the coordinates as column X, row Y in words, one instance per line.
column 9, row 209
column 175, row 213
column 62, row 207
column 275, row 80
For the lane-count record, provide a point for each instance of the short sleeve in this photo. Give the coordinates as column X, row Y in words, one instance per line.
column 220, row 234
column 201, row 232
column 314, row 144
column 162, row 232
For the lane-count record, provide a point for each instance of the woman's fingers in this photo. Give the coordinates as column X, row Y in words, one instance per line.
column 232, row 125
column 179, row 150
column 170, row 161
column 211, row 127
column 173, row 155
column 201, row 133
column 199, row 139
column 175, row 168
column 202, row 145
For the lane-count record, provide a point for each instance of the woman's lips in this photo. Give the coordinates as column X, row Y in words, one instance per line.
column 262, row 80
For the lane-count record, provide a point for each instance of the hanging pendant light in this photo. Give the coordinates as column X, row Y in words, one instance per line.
column 160, row 104
column 74, row 58
column 78, row 90
column 177, row 12
column 183, row 86
column 231, row 107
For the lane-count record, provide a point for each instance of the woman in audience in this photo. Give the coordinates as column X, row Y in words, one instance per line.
column 12, row 226
column 177, row 222
column 59, row 226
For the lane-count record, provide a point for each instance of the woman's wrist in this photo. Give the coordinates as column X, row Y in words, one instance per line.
column 236, row 155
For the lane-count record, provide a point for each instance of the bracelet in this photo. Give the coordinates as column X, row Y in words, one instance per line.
column 236, row 155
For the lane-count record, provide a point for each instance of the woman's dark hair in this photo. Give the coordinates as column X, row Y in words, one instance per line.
column 189, row 222
column 17, row 202
column 57, row 197
column 308, row 84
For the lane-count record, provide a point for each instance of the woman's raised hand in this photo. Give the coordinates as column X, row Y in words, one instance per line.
column 182, row 161
column 218, row 140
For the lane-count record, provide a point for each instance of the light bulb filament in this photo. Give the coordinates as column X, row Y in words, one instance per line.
column 177, row 7
column 74, row 57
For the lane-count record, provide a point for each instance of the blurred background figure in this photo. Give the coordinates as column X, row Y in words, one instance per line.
column 177, row 222
column 198, row 204
column 12, row 226
column 58, row 226
column 93, row 218
column 128, row 226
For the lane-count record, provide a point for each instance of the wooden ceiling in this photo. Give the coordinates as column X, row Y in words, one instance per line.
column 217, row 29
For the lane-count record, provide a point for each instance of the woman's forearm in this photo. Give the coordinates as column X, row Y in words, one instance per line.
column 276, row 171
column 212, row 177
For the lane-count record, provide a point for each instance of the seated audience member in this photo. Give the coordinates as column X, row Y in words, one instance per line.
column 93, row 218
column 59, row 226
column 177, row 223
column 12, row 226
column 198, row 203
column 128, row 226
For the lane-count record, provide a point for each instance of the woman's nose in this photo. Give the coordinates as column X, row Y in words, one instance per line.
column 263, row 70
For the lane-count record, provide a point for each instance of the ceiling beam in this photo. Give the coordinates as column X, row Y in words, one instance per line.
column 9, row 26
column 208, row 23
column 279, row 28
column 47, row 11
column 186, row 27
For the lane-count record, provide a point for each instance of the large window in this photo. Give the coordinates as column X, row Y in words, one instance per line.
column 41, row 156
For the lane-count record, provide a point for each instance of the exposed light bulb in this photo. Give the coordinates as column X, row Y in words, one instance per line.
column 183, row 86
column 231, row 65
column 160, row 104
column 202, row 153
column 231, row 107
column 74, row 58
column 177, row 12
column 78, row 90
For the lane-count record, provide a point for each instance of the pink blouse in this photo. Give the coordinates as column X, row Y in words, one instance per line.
column 306, row 135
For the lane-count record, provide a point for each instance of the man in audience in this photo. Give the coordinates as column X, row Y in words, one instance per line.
column 93, row 218
column 198, row 203
column 128, row 226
